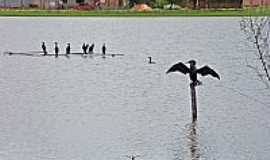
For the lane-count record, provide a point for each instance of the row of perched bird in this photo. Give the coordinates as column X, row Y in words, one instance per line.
column 87, row 49
column 180, row 67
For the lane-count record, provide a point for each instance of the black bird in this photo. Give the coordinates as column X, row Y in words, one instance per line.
column 68, row 49
column 84, row 48
column 44, row 48
column 150, row 61
column 103, row 49
column 56, row 49
column 132, row 157
column 193, row 71
column 91, row 48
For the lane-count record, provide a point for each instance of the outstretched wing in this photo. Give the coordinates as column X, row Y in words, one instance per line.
column 180, row 67
column 207, row 70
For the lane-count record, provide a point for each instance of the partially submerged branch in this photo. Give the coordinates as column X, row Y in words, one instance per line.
column 257, row 30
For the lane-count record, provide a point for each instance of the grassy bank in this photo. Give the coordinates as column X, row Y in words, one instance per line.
column 209, row 12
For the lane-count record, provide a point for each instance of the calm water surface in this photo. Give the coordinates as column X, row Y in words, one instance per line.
column 106, row 108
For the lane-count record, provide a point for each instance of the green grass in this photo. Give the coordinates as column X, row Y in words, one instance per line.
column 184, row 12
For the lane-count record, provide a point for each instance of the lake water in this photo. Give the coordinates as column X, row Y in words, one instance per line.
column 107, row 108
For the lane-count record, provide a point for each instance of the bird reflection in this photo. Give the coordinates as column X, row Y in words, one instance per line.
column 192, row 143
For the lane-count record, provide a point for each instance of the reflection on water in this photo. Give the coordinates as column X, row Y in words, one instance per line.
column 186, row 146
column 192, row 141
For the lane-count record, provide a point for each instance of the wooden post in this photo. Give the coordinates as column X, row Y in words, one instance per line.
column 193, row 101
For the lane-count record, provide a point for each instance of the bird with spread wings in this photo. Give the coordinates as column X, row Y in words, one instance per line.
column 193, row 71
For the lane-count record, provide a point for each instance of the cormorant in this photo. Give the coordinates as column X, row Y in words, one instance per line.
column 91, row 48
column 56, row 49
column 193, row 71
column 132, row 157
column 44, row 48
column 150, row 61
column 103, row 49
column 68, row 49
column 84, row 48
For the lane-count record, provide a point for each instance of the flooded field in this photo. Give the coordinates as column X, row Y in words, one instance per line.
column 94, row 108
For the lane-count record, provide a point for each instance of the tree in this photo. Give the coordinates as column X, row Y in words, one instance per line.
column 22, row 3
column 257, row 30
column 194, row 3
column 172, row 2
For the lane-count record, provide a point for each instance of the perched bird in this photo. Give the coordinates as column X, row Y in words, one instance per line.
column 84, row 48
column 56, row 49
column 150, row 61
column 44, row 48
column 193, row 71
column 132, row 157
column 91, row 48
column 103, row 49
column 68, row 49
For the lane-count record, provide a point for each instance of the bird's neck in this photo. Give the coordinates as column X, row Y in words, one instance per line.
column 192, row 67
